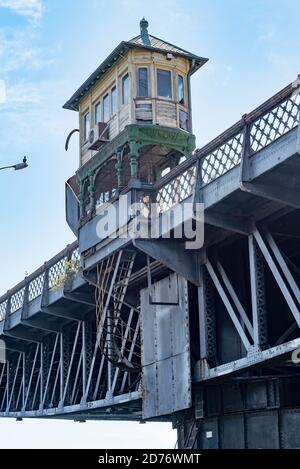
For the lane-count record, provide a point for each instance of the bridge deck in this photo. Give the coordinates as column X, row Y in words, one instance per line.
column 54, row 366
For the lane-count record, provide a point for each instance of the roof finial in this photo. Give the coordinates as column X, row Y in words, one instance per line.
column 144, row 32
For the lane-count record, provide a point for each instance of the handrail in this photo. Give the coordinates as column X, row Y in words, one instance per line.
column 256, row 130
column 68, row 251
column 262, row 126
column 232, row 131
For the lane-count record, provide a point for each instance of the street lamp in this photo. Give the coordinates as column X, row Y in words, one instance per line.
column 18, row 166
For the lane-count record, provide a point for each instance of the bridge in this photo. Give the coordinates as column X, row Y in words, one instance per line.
column 93, row 333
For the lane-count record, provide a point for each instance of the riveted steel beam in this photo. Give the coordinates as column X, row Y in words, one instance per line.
column 235, row 299
column 227, row 304
column 283, row 265
column 280, row 282
column 207, row 323
column 258, row 301
column 175, row 256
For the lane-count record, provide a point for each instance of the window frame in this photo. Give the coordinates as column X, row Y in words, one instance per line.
column 181, row 77
column 124, row 77
column 112, row 111
column 138, row 82
column 159, row 69
column 106, row 96
column 97, row 106
column 85, row 133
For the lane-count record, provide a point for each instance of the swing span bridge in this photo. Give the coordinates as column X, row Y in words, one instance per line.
column 96, row 336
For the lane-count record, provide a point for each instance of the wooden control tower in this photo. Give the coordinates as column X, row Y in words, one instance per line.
column 134, row 117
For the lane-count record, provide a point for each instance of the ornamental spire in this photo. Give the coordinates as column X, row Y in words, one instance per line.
column 144, row 32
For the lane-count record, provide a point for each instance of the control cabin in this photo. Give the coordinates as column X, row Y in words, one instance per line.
column 134, row 117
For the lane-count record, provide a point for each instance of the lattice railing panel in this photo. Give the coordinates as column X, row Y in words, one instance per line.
column 75, row 258
column 17, row 299
column 225, row 157
column 35, row 287
column 57, row 271
column 3, row 307
column 176, row 190
column 274, row 124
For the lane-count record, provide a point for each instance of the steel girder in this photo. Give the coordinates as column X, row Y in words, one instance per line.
column 251, row 326
column 60, row 375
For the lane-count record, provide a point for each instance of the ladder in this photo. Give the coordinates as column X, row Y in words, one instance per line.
column 114, row 334
column 191, row 437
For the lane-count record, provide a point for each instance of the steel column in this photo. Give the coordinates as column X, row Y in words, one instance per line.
column 257, row 283
column 207, row 321
column 228, row 306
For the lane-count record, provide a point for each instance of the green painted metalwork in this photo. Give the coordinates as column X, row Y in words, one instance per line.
column 144, row 32
column 136, row 136
column 81, row 197
column 120, row 167
column 91, row 190
column 134, row 147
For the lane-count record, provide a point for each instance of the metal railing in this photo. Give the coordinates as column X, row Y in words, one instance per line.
column 263, row 126
column 47, row 276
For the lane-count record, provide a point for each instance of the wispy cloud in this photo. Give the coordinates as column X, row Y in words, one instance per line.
column 22, row 93
column 32, row 9
column 23, row 85
column 18, row 53
column 29, row 114
column 268, row 34
column 2, row 92
column 219, row 73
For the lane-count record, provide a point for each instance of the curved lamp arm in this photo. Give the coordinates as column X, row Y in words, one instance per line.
column 69, row 138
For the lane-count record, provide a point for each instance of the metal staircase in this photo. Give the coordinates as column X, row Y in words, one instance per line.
column 117, row 321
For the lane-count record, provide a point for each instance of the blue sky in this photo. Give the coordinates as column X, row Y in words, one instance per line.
column 47, row 49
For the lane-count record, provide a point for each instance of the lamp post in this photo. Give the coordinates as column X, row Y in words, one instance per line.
column 18, row 166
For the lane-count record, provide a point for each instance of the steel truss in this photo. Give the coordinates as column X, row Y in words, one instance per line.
column 251, row 326
column 61, row 375
column 78, row 363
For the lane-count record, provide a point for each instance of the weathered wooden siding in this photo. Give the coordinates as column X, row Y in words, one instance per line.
column 166, row 113
column 113, row 127
column 143, row 110
column 123, row 117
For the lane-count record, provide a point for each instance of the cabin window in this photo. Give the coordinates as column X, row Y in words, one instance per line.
column 106, row 114
column 143, row 89
column 164, row 84
column 125, row 89
column 114, row 100
column 183, row 120
column 86, row 125
column 180, row 89
column 98, row 113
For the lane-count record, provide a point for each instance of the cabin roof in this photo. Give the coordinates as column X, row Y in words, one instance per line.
column 160, row 44
column 143, row 41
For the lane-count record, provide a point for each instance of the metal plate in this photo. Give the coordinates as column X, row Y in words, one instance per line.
column 262, row 430
column 166, row 347
column 232, row 431
column 289, row 428
column 208, row 437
